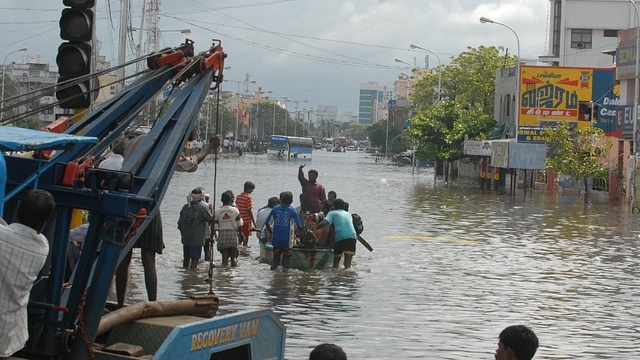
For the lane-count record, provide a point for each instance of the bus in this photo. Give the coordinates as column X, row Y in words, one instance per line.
column 328, row 144
column 290, row 147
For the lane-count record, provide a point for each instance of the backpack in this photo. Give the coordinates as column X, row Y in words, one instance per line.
column 357, row 223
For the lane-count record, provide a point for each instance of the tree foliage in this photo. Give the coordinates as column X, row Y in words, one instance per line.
column 467, row 102
column 378, row 133
column 577, row 152
column 441, row 130
column 217, row 120
column 469, row 79
column 355, row 131
column 401, row 143
column 262, row 113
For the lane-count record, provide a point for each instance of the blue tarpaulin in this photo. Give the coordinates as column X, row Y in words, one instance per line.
column 19, row 139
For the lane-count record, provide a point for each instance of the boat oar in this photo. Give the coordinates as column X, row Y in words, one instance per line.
column 365, row 243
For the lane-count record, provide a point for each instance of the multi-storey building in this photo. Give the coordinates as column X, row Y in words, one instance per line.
column 35, row 82
column 373, row 98
column 579, row 31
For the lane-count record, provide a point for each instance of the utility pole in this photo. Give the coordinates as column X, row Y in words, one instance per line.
column 122, row 46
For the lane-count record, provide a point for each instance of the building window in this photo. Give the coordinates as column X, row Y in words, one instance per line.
column 611, row 33
column 557, row 24
column 508, row 105
column 581, row 38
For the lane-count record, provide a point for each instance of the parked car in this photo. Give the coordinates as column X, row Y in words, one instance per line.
column 372, row 150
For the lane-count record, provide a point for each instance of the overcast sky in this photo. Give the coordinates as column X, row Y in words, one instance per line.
column 318, row 51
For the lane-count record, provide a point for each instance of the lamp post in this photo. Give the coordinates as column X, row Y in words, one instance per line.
column 414, row 46
column 286, row 114
column 635, row 109
column 295, row 124
column 258, row 114
column 4, row 67
column 235, row 135
column 309, row 121
column 273, row 122
column 485, row 20
column 414, row 67
column 386, row 146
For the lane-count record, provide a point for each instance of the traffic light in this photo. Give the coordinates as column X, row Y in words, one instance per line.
column 74, row 56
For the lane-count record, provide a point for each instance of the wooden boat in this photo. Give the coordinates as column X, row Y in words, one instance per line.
column 301, row 258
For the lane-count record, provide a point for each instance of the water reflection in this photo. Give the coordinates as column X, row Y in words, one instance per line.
column 451, row 266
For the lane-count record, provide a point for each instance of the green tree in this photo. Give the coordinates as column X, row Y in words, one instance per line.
column 216, row 119
column 401, row 143
column 356, row 131
column 577, row 152
column 469, row 79
column 262, row 114
column 378, row 133
column 32, row 122
column 10, row 100
column 441, row 130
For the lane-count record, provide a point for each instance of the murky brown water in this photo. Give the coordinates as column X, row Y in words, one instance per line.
column 452, row 266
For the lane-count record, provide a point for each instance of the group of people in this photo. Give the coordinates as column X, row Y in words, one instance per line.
column 229, row 226
column 277, row 223
column 282, row 222
column 24, row 249
column 515, row 342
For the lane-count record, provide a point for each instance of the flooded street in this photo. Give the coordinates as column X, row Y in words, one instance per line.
column 451, row 267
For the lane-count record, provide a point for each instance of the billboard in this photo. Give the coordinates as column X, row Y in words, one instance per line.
column 479, row 148
column 577, row 97
column 626, row 62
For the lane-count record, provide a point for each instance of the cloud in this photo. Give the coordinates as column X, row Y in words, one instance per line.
column 319, row 50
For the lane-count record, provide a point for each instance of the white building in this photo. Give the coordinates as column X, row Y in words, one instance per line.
column 580, row 30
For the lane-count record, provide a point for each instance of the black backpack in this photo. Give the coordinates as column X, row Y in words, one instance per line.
column 357, row 223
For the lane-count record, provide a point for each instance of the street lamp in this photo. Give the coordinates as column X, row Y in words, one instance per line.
column 386, row 143
column 295, row 124
column 286, row 113
column 635, row 108
column 4, row 67
column 273, row 122
column 404, row 62
column 235, row 136
column 414, row 46
column 258, row 113
column 485, row 20
column 309, row 121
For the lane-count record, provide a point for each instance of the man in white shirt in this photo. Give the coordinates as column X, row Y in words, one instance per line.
column 23, row 253
column 115, row 160
column 261, row 216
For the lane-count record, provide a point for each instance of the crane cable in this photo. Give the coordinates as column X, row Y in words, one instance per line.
column 211, row 242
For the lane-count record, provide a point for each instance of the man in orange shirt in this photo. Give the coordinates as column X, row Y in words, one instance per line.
column 244, row 202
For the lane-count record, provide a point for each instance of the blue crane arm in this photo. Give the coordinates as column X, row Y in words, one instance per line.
column 116, row 216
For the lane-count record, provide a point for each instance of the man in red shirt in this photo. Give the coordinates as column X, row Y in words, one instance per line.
column 313, row 193
column 244, row 202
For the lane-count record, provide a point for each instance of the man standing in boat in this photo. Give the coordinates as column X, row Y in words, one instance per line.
column 313, row 193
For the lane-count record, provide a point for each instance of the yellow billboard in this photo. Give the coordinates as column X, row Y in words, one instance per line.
column 549, row 94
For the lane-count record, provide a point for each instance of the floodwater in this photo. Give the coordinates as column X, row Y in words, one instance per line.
column 451, row 267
